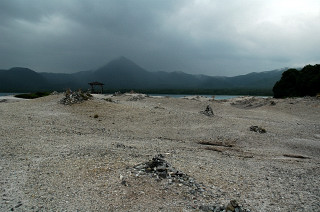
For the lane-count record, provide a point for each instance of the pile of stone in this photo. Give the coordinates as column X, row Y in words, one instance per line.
column 208, row 111
column 74, row 97
column 161, row 169
column 257, row 129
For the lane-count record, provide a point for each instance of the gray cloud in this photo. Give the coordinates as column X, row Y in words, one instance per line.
column 199, row 36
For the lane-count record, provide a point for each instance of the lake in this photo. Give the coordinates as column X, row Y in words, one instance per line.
column 8, row 94
column 216, row 97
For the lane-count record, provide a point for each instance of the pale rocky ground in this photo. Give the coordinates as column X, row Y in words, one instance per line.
column 55, row 157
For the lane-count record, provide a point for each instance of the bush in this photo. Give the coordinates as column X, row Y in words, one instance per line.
column 32, row 95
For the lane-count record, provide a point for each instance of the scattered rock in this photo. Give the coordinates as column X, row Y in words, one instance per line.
column 208, row 111
column 54, row 93
column 137, row 97
column 121, row 146
column 75, row 97
column 232, row 206
column 118, row 93
column 207, row 208
column 257, row 129
column 111, row 100
column 272, row 103
column 250, row 102
column 159, row 107
column 123, row 181
column 18, row 205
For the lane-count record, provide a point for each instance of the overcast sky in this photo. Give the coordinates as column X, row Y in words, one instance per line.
column 213, row 37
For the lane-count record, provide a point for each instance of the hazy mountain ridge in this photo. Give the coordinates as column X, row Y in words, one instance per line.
column 122, row 73
column 19, row 79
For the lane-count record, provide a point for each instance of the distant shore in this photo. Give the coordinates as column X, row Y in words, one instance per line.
column 218, row 97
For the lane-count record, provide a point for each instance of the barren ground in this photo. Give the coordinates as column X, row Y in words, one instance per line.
column 55, row 157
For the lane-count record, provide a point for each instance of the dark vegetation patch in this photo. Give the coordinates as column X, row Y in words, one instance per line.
column 32, row 95
column 294, row 83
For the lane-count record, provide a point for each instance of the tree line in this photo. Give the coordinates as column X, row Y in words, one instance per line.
column 295, row 83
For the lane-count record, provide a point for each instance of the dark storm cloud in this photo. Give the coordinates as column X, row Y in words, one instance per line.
column 204, row 37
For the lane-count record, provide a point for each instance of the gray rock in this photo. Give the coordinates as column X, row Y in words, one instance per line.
column 207, row 208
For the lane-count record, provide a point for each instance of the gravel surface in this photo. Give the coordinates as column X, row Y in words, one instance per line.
column 92, row 156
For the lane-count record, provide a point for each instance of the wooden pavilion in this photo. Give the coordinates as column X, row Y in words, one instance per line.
column 93, row 84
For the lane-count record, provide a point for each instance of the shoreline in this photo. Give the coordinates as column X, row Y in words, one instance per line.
column 11, row 98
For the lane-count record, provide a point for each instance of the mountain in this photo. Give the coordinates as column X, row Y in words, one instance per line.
column 21, row 79
column 123, row 73
column 262, row 80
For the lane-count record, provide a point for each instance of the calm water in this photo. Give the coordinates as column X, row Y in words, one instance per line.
column 8, row 94
column 216, row 97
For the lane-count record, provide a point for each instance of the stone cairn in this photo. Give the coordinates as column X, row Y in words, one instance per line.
column 160, row 169
column 73, row 97
column 208, row 111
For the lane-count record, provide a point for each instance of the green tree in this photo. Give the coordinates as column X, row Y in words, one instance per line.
column 294, row 83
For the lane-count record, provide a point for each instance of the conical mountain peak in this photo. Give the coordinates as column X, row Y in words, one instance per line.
column 121, row 65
